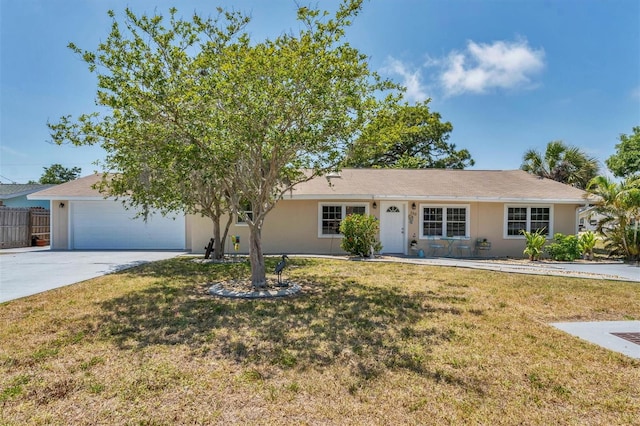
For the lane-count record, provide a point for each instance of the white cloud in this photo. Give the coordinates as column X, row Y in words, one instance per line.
column 412, row 80
column 481, row 67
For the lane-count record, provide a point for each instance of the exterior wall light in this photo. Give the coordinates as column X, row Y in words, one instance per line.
column 61, row 205
column 375, row 205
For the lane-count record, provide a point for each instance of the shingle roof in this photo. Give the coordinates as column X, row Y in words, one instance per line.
column 12, row 190
column 78, row 188
column 440, row 184
column 423, row 184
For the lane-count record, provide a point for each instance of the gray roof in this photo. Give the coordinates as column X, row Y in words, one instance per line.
column 13, row 190
column 440, row 184
column 77, row 188
column 399, row 184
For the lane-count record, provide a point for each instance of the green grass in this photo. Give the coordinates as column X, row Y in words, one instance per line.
column 364, row 343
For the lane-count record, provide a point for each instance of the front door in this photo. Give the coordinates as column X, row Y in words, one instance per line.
column 392, row 235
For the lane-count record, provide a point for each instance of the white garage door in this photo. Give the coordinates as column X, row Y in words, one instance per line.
column 108, row 225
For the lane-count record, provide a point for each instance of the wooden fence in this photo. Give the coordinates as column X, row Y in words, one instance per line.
column 21, row 227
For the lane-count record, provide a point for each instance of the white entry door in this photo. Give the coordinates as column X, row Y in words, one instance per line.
column 392, row 233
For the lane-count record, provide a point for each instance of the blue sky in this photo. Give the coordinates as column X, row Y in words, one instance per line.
column 510, row 75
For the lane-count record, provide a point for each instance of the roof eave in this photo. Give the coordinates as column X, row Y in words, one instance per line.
column 17, row 194
column 435, row 198
column 72, row 198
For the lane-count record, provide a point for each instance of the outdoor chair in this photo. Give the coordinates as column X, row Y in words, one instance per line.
column 464, row 248
column 434, row 247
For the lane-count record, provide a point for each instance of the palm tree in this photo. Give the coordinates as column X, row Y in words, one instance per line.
column 562, row 163
column 619, row 204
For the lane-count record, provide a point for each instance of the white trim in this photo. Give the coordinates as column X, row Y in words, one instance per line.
column 467, row 226
column 239, row 221
column 343, row 205
column 77, row 197
column 505, row 216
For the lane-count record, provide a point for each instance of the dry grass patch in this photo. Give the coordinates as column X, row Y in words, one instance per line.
column 365, row 343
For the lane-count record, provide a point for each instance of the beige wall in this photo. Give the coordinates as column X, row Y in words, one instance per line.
column 292, row 227
column 59, row 225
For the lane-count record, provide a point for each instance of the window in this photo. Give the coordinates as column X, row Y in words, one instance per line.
column 246, row 209
column 444, row 221
column 432, row 223
column 527, row 218
column 331, row 215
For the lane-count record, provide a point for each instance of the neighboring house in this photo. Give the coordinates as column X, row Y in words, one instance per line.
column 15, row 195
column 588, row 219
column 461, row 206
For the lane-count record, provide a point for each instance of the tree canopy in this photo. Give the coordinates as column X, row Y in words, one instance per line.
column 407, row 136
column 195, row 108
column 57, row 174
column 562, row 163
column 626, row 161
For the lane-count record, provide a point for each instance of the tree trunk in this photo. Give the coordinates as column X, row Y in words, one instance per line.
column 258, row 271
column 217, row 243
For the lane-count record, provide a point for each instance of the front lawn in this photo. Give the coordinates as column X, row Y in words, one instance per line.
column 364, row 343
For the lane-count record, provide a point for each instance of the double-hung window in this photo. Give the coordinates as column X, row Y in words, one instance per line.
column 528, row 218
column 444, row 221
column 330, row 216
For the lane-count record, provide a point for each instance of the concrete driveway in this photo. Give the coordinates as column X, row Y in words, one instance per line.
column 28, row 271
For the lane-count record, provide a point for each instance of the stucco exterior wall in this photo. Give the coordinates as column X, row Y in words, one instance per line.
column 59, row 225
column 292, row 227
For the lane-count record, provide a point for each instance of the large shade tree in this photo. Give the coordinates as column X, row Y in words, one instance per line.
column 156, row 122
column 57, row 174
column 407, row 136
column 199, row 101
column 626, row 161
column 562, row 163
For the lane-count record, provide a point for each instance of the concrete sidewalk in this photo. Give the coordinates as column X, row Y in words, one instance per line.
column 601, row 333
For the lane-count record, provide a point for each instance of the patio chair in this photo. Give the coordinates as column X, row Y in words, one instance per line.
column 434, row 247
column 464, row 248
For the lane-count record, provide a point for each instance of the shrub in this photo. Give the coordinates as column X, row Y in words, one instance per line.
column 625, row 243
column 587, row 242
column 360, row 234
column 535, row 242
column 564, row 248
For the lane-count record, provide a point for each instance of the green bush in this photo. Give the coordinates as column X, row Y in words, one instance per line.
column 360, row 234
column 587, row 243
column 564, row 248
column 535, row 242
column 625, row 243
